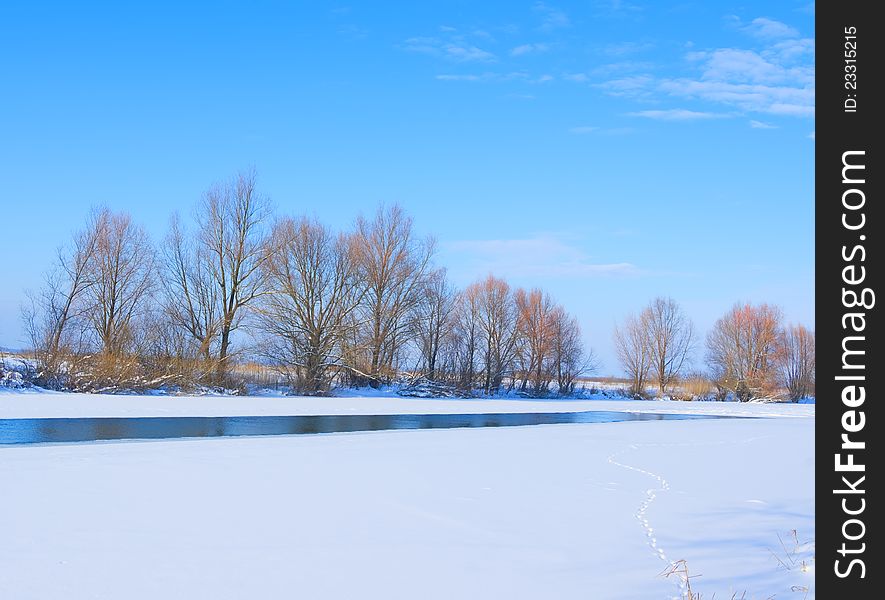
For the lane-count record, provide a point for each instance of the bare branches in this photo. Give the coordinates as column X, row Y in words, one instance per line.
column 655, row 345
column 123, row 280
column 394, row 265
column 742, row 350
column 796, row 362
column 434, row 323
column 54, row 318
column 368, row 306
column 632, row 347
column 671, row 340
column 212, row 278
column 192, row 303
column 313, row 291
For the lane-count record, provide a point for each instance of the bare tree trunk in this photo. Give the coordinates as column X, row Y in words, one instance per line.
column 394, row 266
column 313, row 291
column 225, row 266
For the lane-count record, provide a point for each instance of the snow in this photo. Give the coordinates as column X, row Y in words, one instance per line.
column 550, row 511
column 20, row 404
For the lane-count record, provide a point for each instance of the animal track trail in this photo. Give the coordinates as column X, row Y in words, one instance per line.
column 640, row 514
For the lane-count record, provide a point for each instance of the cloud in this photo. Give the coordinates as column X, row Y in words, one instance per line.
column 635, row 86
column 791, row 51
column 529, row 49
column 463, row 77
column 627, row 48
column 468, row 53
column 748, row 66
column 776, row 100
column 493, row 77
column 761, row 125
column 539, row 256
column 616, row 7
column 551, row 17
column 591, row 129
column 769, row 29
column 776, row 79
column 676, row 114
column 624, row 66
column 455, row 48
column 811, row 136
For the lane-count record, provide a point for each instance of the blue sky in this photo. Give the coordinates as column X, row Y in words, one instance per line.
column 607, row 151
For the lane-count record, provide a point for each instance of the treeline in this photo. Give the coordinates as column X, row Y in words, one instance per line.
column 750, row 353
column 321, row 308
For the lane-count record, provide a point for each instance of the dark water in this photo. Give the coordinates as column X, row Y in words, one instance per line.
column 35, row 431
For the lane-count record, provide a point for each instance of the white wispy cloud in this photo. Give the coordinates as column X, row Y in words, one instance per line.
column 811, row 135
column 775, row 79
column 496, row 77
column 529, row 49
column 776, row 100
column 627, row 48
column 634, row 86
column 623, row 66
column 677, row 114
column 616, row 7
column 456, row 48
column 769, row 29
column 592, row 129
column 463, row 77
column 551, row 17
column 749, row 66
column 539, row 256
column 760, row 125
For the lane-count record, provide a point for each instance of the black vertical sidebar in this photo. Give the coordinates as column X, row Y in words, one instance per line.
column 849, row 62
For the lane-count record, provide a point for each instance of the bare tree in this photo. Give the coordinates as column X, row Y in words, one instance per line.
column 313, row 290
column 231, row 221
column 119, row 301
column 192, row 302
column 742, row 350
column 123, row 281
column 797, row 361
column 434, row 321
column 394, row 264
column 632, row 347
column 497, row 315
column 671, row 340
column 54, row 318
column 535, row 331
column 569, row 361
column 466, row 337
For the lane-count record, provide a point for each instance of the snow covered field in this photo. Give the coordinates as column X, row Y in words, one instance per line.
column 20, row 404
column 550, row 511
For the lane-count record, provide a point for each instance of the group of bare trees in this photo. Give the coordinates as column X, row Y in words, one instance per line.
column 655, row 346
column 361, row 307
column 492, row 337
column 85, row 323
column 749, row 352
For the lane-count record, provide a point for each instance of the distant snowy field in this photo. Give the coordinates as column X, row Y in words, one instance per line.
column 549, row 511
column 19, row 404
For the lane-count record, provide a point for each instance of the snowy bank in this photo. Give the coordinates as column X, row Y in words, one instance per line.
column 551, row 511
column 19, row 404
